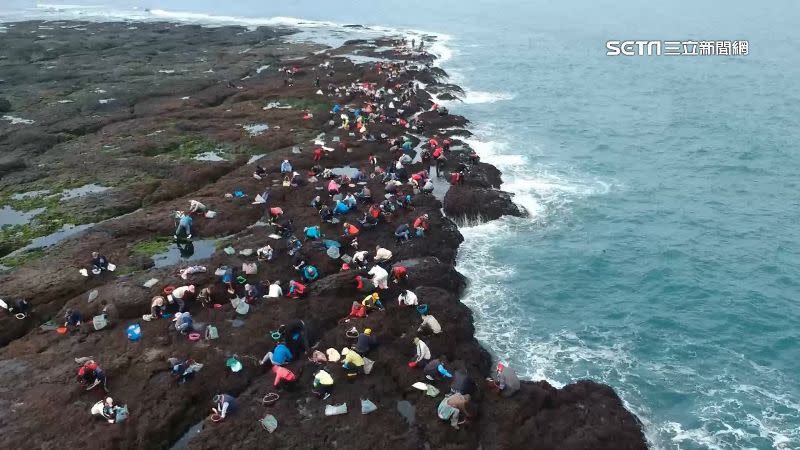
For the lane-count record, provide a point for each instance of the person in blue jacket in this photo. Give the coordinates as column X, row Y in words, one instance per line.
column 312, row 232
column 436, row 369
column 280, row 356
column 341, row 207
column 184, row 225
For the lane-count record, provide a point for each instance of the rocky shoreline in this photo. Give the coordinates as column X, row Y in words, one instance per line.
column 138, row 108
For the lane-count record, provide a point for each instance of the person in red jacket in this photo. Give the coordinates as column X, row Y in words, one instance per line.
column 421, row 224
column 399, row 273
column 275, row 212
column 284, row 378
column 317, row 154
column 358, row 310
column 350, row 229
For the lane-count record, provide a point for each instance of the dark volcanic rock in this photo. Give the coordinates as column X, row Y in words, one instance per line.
column 481, row 204
column 5, row 105
column 181, row 91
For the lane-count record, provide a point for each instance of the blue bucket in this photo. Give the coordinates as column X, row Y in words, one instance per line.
column 134, row 332
column 422, row 309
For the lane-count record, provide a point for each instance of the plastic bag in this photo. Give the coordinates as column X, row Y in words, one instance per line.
column 269, row 422
column 368, row 364
column 93, row 295
column 432, row 391
column 212, row 332
column 331, row 410
column 250, row 268
column 242, row 308
column 367, row 406
column 122, row 413
column 333, row 252
column 99, row 322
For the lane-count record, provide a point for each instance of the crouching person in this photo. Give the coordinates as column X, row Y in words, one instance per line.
column 455, row 408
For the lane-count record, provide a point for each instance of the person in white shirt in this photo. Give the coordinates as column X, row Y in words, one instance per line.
column 423, row 354
column 360, row 258
column 275, row 290
column 382, row 254
column 407, row 298
column 429, row 323
column 196, row 207
column 380, row 277
column 265, row 252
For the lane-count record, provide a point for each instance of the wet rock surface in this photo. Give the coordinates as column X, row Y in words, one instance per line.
column 144, row 141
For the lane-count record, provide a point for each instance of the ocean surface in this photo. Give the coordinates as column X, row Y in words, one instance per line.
column 662, row 249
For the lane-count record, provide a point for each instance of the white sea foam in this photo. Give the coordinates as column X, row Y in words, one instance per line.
column 18, row 120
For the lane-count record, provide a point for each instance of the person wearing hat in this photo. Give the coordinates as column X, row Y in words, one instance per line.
column 372, row 301
column 365, row 342
column 224, row 404
column 323, row 384
column 506, row 380
column 279, row 356
column 407, row 298
column 422, row 355
column 429, row 325
column 183, row 322
column 352, row 362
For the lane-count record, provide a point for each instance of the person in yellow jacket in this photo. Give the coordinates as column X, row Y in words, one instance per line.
column 352, row 363
column 372, row 301
column 323, row 384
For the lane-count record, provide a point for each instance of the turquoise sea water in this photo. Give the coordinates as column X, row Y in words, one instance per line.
column 661, row 252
